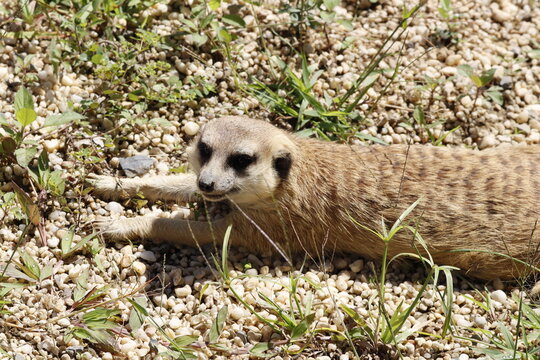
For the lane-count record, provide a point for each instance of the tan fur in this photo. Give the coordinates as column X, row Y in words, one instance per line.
column 484, row 200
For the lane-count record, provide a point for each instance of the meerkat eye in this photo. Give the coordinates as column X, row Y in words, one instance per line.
column 240, row 162
column 205, row 151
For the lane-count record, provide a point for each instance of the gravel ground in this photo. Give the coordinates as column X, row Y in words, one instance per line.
column 184, row 293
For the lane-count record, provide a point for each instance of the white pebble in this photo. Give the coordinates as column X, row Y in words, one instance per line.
column 4, row 72
column 183, row 291
column 175, row 323
column 499, row 295
column 67, row 80
column 51, row 145
column 191, row 128
column 523, row 117
column 25, row 349
column 488, row 141
column 236, row 312
column 139, row 267
column 463, row 357
column 114, row 207
column 127, row 345
column 480, row 321
column 168, row 139
column 53, row 242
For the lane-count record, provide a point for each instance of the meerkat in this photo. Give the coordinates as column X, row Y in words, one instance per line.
column 297, row 194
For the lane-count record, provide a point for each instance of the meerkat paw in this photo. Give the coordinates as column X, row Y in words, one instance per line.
column 124, row 228
column 107, row 187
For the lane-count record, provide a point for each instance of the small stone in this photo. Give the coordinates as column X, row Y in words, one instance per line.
column 460, row 321
column 51, row 145
column 449, row 71
column 463, row 357
column 293, row 349
column 168, row 139
column 487, row 142
column 341, row 285
column 236, row 312
column 53, row 242
column 114, row 207
column 480, row 321
column 139, row 267
column 57, row 215
column 25, row 349
column 453, row 60
column 499, row 295
column 357, row 266
column 535, row 291
column 67, row 80
column 148, row 256
column 4, row 72
column 183, row 292
column 64, row 322
column 127, row 345
column 506, row 82
column 191, row 128
column 175, row 323
column 136, row 165
column 523, row 117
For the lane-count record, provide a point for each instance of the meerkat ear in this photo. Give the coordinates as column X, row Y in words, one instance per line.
column 282, row 164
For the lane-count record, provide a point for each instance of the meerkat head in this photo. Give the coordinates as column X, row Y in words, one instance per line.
column 240, row 159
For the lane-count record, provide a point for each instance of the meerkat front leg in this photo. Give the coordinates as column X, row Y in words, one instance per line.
column 170, row 230
column 179, row 188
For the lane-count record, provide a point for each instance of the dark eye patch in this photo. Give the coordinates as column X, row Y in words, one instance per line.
column 240, row 162
column 205, row 151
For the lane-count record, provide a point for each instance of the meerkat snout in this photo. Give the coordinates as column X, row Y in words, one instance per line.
column 234, row 160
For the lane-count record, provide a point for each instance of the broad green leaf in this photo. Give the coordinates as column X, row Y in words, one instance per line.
column 223, row 35
column 300, row 329
column 30, row 264
column 7, row 287
column 80, row 244
column 327, row 17
column 487, row 76
column 234, row 20
column 199, row 39
column 186, row 340
column 214, row 4
column 260, row 348
column 60, row 119
column 347, row 24
column 465, row 70
column 23, row 100
column 67, row 240
column 97, row 59
column 138, row 313
column 25, row 116
column 217, row 326
column 100, row 314
column 25, row 155
column 496, row 97
column 418, row 115
column 46, row 272
column 161, row 122
column 331, row 4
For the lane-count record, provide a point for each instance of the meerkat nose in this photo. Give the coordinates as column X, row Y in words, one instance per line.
column 206, row 186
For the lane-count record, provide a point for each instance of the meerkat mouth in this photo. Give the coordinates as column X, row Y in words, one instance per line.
column 219, row 197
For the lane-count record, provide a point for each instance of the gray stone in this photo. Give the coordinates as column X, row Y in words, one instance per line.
column 506, row 82
column 136, row 165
